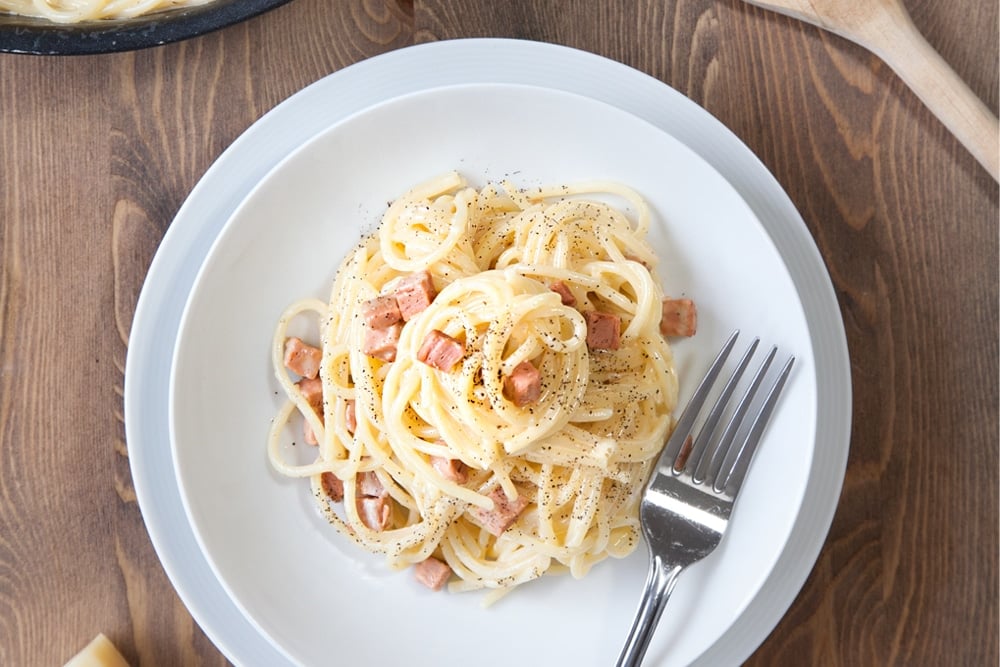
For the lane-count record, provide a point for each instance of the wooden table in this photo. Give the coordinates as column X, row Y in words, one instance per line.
column 99, row 152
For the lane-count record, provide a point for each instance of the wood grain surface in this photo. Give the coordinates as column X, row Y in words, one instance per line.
column 97, row 153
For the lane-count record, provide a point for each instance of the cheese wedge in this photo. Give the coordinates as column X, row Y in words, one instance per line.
column 98, row 653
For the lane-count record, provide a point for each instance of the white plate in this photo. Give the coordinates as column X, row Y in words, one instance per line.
column 472, row 61
column 263, row 537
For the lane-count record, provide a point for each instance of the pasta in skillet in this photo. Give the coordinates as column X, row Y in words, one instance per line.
column 75, row 11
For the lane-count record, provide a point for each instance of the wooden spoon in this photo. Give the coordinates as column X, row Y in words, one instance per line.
column 884, row 28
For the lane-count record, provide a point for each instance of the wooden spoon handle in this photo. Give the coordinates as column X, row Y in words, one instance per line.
column 904, row 49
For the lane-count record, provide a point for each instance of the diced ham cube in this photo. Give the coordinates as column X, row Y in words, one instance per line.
column 308, row 434
column 503, row 514
column 375, row 512
column 560, row 288
column 368, row 484
column 679, row 318
column 312, row 391
column 351, row 416
column 432, row 573
column 302, row 359
column 333, row 487
column 414, row 293
column 524, row 385
column 381, row 312
column 381, row 343
column 373, row 501
column 682, row 456
column 602, row 330
column 440, row 351
column 451, row 469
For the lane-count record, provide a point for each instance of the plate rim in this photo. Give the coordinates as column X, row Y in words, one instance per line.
column 560, row 61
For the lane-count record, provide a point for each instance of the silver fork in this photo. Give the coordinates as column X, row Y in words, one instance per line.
column 688, row 500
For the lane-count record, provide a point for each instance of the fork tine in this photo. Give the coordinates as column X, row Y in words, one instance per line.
column 739, row 414
column 738, row 459
column 697, row 461
column 682, row 430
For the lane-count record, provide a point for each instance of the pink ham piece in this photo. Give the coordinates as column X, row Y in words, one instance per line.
column 381, row 312
column 560, row 288
column 381, row 343
column 602, row 330
column 302, row 359
column 368, row 484
column 308, row 434
column 373, row 502
column 333, row 487
column 312, row 391
column 375, row 512
column 440, row 351
column 679, row 318
column 432, row 573
column 503, row 514
column 524, row 384
column 414, row 293
column 451, row 469
column 351, row 416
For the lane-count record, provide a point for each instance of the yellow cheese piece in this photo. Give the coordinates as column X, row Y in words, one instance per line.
column 98, row 653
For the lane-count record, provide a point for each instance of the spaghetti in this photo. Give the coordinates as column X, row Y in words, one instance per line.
column 506, row 427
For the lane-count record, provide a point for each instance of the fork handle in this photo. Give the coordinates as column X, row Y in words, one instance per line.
column 659, row 584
